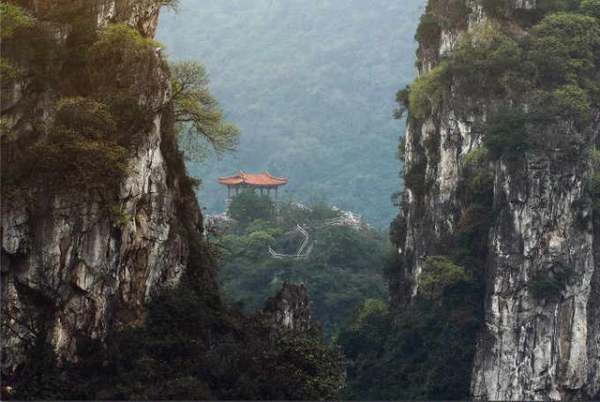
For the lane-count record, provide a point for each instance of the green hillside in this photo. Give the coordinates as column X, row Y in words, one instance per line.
column 311, row 85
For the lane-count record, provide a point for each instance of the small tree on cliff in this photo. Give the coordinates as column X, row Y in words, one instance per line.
column 198, row 112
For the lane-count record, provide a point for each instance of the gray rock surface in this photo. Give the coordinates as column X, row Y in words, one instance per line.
column 289, row 309
column 67, row 264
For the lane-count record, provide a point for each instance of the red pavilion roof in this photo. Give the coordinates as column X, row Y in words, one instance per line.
column 263, row 179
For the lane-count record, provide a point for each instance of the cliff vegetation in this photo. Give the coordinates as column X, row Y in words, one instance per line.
column 109, row 288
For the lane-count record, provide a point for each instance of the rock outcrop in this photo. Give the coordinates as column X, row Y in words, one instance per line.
column 289, row 309
column 529, row 347
column 68, row 269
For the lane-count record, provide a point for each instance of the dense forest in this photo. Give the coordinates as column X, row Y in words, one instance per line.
column 284, row 72
column 341, row 266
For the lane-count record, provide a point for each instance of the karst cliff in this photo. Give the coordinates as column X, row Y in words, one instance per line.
column 82, row 269
column 500, row 163
column 109, row 286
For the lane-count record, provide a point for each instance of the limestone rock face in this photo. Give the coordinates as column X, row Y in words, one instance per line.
column 141, row 14
column 289, row 309
column 81, row 272
column 529, row 348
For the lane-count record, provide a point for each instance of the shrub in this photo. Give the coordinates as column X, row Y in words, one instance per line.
column 485, row 62
column 591, row 8
column 123, row 62
column 438, row 274
column 12, row 18
column 564, row 48
column 429, row 31
column 402, row 99
column 199, row 113
column 85, row 116
column 81, row 150
column 506, row 132
column 549, row 284
column 476, row 157
column 572, row 103
column 428, row 91
column 401, row 151
column 119, row 43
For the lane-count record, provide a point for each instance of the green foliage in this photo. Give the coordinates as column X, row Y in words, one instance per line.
column 191, row 347
column 506, row 132
column 12, row 18
column 424, row 351
column 249, row 206
column 199, row 112
column 549, row 285
column 429, row 31
column 25, row 41
column 438, row 274
column 342, row 270
column 475, row 157
column 401, row 152
column 81, row 151
column 118, row 216
column 486, row 62
column 122, row 62
column 591, row 8
column 402, row 99
column 477, row 178
column 120, row 43
column 572, row 103
column 428, row 91
column 364, row 333
column 553, row 71
column 476, row 194
column 8, row 72
column 564, row 49
column 367, row 309
column 101, row 82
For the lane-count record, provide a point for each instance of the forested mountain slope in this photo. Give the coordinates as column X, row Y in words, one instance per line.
column 311, row 85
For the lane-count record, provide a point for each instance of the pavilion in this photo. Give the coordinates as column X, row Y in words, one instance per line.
column 262, row 181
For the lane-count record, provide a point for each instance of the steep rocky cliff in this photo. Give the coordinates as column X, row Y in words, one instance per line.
column 520, row 216
column 72, row 266
column 108, row 282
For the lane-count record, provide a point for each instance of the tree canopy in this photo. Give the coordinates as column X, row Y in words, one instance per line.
column 198, row 113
